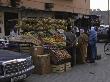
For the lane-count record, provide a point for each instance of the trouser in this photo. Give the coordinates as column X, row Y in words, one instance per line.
column 83, row 50
column 94, row 51
column 89, row 52
column 72, row 52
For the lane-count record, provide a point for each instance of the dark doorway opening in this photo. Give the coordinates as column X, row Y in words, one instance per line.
column 9, row 22
column 62, row 15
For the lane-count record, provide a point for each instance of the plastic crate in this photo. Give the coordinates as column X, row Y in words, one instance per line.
column 58, row 68
column 68, row 66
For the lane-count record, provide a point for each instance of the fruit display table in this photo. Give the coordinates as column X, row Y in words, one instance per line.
column 48, row 34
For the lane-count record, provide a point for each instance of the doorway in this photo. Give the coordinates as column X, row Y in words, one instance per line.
column 9, row 22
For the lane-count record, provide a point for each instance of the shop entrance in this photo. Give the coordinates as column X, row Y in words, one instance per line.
column 9, row 21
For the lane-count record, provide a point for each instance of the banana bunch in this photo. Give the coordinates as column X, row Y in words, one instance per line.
column 49, row 40
column 41, row 23
column 56, row 40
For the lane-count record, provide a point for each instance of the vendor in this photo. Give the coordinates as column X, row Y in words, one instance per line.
column 12, row 33
column 70, row 43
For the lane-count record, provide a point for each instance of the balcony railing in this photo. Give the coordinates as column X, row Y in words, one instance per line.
column 15, row 3
column 49, row 6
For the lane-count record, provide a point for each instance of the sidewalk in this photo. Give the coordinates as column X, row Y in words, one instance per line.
column 98, row 72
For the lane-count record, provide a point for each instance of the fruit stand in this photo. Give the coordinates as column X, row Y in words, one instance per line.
column 46, row 35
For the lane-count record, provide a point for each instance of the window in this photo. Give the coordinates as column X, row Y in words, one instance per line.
column 85, row 1
column 49, row 6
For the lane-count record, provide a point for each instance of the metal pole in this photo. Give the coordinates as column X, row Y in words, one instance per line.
column 108, row 12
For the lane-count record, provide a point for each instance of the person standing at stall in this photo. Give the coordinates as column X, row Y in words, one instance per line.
column 82, row 44
column 76, row 30
column 108, row 33
column 92, row 43
column 70, row 43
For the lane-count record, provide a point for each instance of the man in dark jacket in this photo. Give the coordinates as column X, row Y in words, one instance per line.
column 70, row 43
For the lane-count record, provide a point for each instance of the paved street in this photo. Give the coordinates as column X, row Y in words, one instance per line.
column 98, row 72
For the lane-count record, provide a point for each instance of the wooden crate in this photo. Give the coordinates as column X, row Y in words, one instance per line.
column 24, row 44
column 25, row 49
column 42, row 64
column 67, row 66
column 58, row 68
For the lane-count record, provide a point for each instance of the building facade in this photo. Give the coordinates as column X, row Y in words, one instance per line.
column 103, row 16
column 14, row 9
column 74, row 6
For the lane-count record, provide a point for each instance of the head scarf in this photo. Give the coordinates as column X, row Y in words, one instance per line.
column 92, row 35
column 92, row 28
column 81, row 30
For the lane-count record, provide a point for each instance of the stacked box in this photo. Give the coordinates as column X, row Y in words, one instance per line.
column 42, row 64
column 37, row 50
column 58, row 68
column 68, row 66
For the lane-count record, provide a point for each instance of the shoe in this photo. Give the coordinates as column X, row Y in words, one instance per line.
column 92, row 61
column 87, row 61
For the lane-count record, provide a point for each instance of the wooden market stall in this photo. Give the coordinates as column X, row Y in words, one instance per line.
column 48, row 43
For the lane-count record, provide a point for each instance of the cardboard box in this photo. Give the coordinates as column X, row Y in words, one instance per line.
column 42, row 64
column 37, row 50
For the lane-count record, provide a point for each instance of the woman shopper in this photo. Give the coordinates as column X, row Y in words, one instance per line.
column 82, row 44
column 92, row 44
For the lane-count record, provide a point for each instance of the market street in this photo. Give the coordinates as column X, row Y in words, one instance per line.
column 98, row 72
